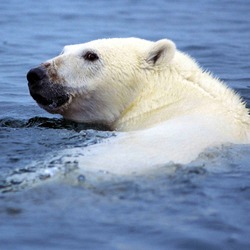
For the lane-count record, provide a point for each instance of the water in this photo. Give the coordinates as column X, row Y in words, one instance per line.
column 204, row 205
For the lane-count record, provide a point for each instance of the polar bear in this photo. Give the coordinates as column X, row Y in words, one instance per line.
column 164, row 107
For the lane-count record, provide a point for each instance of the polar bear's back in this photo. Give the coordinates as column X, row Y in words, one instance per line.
column 179, row 140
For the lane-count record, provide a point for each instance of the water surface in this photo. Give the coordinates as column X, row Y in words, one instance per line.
column 204, row 205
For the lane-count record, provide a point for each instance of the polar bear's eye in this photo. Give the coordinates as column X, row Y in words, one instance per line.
column 90, row 56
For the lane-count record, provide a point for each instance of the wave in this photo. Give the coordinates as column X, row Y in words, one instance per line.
column 64, row 167
column 44, row 122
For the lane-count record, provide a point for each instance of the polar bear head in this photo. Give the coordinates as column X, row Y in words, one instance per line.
column 97, row 82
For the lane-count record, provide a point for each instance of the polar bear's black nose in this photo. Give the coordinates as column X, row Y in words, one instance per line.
column 35, row 75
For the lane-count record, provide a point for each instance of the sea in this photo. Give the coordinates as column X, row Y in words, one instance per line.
column 203, row 205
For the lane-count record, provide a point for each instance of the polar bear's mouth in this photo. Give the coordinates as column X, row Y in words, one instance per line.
column 50, row 96
column 55, row 103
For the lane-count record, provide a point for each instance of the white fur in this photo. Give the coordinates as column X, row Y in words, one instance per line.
column 173, row 108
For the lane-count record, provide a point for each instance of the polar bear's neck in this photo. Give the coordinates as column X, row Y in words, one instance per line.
column 187, row 91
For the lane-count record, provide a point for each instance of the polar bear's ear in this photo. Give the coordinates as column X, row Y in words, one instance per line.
column 161, row 52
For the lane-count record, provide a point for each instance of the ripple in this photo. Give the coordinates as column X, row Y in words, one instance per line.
column 51, row 123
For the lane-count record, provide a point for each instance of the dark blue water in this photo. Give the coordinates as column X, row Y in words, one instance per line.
column 204, row 205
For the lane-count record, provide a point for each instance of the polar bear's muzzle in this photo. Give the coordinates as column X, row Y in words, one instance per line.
column 51, row 96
